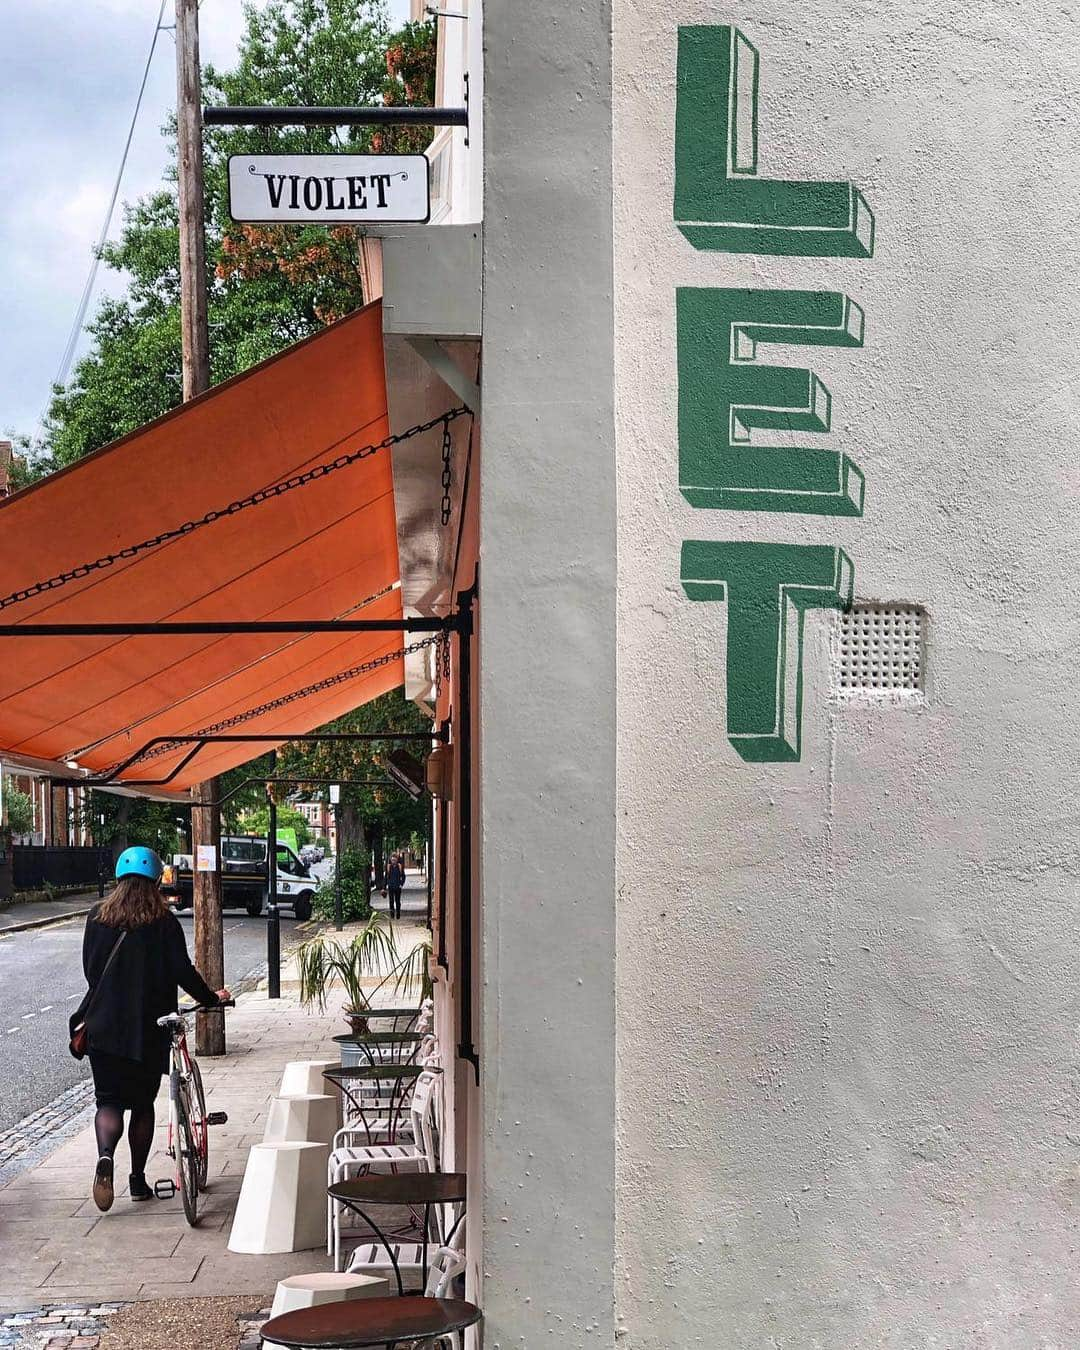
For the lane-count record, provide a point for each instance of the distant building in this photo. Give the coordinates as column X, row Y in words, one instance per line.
column 7, row 456
column 320, row 817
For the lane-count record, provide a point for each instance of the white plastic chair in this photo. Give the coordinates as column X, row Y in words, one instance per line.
column 445, row 1263
column 421, row 1155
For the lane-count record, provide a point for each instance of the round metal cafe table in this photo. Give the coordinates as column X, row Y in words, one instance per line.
column 399, row 1077
column 363, row 1322
column 401, row 1188
column 379, row 1047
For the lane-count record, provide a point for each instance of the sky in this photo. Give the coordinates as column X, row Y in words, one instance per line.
column 68, row 83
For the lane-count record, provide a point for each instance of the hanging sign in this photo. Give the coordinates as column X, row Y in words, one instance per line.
column 329, row 189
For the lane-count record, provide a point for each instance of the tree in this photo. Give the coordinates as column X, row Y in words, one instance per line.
column 162, row 826
column 257, row 821
column 370, row 817
column 18, row 809
column 267, row 287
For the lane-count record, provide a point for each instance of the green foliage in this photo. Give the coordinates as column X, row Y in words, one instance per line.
column 256, row 820
column 323, row 843
column 266, row 287
column 248, row 798
column 355, row 879
column 412, row 975
column 163, row 826
column 397, row 813
column 323, row 961
column 18, row 809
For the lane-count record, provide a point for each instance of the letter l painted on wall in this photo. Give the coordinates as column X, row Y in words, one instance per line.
column 768, row 589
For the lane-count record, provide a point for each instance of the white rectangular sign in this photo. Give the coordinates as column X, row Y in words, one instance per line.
column 329, row 189
column 205, row 858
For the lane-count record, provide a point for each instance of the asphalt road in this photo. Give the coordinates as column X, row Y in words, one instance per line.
column 41, row 982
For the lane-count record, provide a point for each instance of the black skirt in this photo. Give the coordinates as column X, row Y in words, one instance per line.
column 124, row 1083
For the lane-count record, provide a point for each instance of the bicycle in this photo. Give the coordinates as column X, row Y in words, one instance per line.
column 189, row 1120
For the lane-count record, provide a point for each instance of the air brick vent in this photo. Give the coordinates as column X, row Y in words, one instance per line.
column 881, row 649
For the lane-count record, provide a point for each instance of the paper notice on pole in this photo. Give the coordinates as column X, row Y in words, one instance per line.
column 206, row 858
column 335, row 794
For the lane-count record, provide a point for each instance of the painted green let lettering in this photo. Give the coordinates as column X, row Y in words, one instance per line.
column 768, row 588
column 720, row 203
column 723, row 397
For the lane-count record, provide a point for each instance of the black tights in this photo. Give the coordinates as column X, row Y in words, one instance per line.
column 109, row 1128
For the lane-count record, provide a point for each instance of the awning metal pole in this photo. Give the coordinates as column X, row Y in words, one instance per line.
column 273, row 921
column 199, row 629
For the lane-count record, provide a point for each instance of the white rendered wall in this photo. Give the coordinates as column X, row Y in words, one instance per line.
column 848, row 986
column 547, row 678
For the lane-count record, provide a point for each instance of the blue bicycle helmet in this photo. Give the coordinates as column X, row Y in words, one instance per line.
column 139, row 862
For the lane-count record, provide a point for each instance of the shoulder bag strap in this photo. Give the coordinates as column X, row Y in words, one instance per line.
column 104, row 972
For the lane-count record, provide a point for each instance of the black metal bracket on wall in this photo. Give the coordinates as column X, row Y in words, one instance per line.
column 463, row 737
column 442, row 844
column 264, row 115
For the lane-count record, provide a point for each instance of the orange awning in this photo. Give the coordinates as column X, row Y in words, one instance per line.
column 325, row 550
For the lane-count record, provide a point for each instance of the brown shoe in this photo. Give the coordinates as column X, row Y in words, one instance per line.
column 102, row 1189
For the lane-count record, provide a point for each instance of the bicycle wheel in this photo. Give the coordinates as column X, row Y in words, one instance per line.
column 198, row 1125
column 187, row 1159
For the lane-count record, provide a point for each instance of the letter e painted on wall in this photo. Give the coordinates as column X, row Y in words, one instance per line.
column 768, row 589
column 720, row 203
column 724, row 396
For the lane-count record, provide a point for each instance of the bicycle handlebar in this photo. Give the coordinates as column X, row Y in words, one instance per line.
column 190, row 1008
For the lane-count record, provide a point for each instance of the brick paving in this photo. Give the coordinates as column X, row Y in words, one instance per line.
column 38, row 1134
column 59, row 1326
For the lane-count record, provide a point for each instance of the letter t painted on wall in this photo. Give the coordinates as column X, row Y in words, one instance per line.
column 768, row 589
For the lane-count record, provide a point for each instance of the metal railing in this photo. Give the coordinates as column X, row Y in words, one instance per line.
column 36, row 866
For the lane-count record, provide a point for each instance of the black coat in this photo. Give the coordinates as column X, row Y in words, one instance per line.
column 140, row 986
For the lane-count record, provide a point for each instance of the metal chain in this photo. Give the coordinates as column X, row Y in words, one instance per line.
column 240, row 504
column 442, row 665
column 447, row 480
column 343, row 677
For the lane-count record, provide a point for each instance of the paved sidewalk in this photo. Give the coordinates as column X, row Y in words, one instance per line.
column 35, row 913
column 55, row 1247
column 58, row 1252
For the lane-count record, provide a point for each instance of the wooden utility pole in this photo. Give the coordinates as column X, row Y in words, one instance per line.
column 205, row 821
column 193, row 323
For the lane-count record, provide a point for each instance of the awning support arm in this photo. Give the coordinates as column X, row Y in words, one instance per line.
column 282, row 778
column 439, row 359
column 198, row 743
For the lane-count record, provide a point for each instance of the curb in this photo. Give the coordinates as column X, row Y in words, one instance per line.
column 44, row 923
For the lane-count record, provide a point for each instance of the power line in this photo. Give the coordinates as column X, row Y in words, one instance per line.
column 88, row 290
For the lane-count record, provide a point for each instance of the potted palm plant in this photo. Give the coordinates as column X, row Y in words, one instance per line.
column 325, row 963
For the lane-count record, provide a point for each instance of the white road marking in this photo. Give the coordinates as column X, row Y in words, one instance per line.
column 27, row 1016
column 71, row 996
column 12, row 1030
column 47, row 1008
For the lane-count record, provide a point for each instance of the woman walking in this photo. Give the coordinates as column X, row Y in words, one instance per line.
column 134, row 957
column 395, row 881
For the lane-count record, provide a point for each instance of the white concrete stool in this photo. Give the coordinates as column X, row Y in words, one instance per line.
column 282, row 1204
column 306, row 1075
column 310, row 1118
column 305, row 1291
